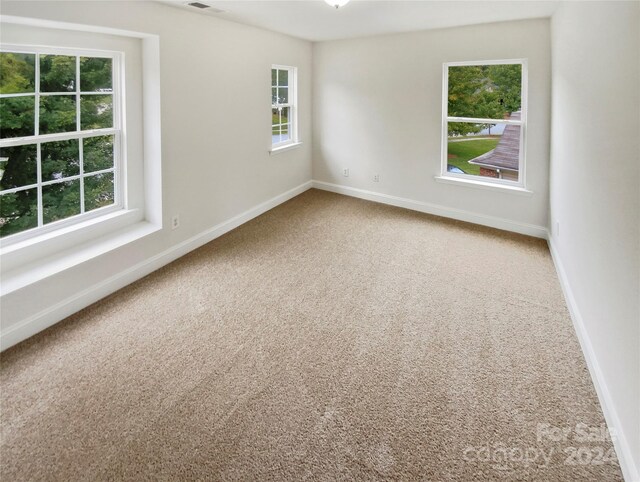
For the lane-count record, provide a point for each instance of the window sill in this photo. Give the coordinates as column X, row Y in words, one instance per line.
column 28, row 268
column 287, row 147
column 484, row 185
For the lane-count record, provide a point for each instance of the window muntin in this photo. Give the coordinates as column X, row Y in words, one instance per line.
column 283, row 106
column 484, row 121
column 60, row 138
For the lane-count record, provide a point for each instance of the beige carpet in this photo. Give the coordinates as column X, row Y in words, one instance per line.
column 330, row 338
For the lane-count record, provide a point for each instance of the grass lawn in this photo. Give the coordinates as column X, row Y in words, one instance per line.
column 275, row 119
column 276, row 130
column 461, row 152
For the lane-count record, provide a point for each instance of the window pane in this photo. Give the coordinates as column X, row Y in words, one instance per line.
column 98, row 191
column 281, row 129
column 284, row 133
column 96, row 111
column 97, row 153
column 18, row 166
column 18, row 211
column 284, row 115
column 487, row 150
column 484, row 91
column 283, row 78
column 95, row 75
column 60, row 159
column 60, row 200
column 283, row 95
column 17, row 116
column 17, row 73
column 57, row 114
column 57, row 73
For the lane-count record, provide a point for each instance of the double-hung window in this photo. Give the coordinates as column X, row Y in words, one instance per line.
column 60, row 138
column 484, row 121
column 284, row 125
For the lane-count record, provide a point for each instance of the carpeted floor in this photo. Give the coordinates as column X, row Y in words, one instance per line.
column 330, row 338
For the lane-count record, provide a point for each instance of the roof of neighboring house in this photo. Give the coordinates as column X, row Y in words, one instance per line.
column 506, row 155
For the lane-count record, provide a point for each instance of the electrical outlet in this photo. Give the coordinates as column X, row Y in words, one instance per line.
column 376, row 178
column 175, row 222
column 345, row 172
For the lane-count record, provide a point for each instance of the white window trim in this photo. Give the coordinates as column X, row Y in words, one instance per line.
column 117, row 130
column 505, row 185
column 286, row 147
column 38, row 258
column 293, row 140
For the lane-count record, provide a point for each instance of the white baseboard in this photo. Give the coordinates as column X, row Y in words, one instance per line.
column 625, row 456
column 438, row 210
column 52, row 315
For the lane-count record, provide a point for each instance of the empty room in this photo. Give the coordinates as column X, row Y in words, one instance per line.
column 320, row 240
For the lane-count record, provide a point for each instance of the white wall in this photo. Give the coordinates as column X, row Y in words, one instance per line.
column 377, row 108
column 215, row 81
column 595, row 194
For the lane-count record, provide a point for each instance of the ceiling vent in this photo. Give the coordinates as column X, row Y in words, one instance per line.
column 204, row 6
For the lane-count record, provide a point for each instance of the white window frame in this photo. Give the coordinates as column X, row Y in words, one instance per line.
column 446, row 176
column 117, row 131
column 41, row 257
column 292, row 105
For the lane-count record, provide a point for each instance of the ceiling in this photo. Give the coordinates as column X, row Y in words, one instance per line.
column 316, row 21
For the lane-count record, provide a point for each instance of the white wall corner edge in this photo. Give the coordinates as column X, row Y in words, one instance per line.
column 52, row 315
column 625, row 456
column 436, row 209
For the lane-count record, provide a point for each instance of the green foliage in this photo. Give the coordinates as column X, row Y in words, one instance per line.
column 95, row 74
column 20, row 166
column 57, row 73
column 60, row 200
column 465, row 85
column 463, row 128
column 17, row 73
column 98, row 153
column 57, row 114
column 507, row 82
column 98, row 191
column 96, row 111
column 60, row 159
column 17, row 116
column 482, row 91
column 18, row 211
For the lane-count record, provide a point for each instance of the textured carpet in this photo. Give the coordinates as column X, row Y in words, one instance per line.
column 330, row 338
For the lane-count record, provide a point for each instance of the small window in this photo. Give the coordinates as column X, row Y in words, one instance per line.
column 60, row 138
column 284, row 128
column 484, row 121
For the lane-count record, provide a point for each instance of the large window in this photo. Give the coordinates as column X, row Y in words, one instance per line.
column 484, row 121
column 60, row 138
column 284, row 129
